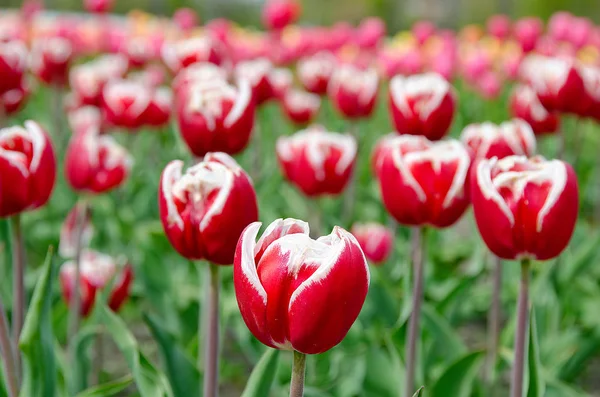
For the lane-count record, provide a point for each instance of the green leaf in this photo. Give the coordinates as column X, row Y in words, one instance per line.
column 262, row 376
column 107, row 389
column 588, row 348
column 536, row 386
column 447, row 344
column 181, row 371
column 458, row 378
column 80, row 371
column 383, row 377
column 419, row 392
column 37, row 338
column 149, row 381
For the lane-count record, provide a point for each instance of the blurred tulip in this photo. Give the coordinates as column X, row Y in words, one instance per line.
column 30, row 9
column 13, row 100
column 96, row 163
column 353, row 92
column 316, row 161
column 288, row 285
column 181, row 54
column 215, row 116
column 476, row 63
column 158, row 112
column 27, row 168
column 315, row 71
column 499, row 26
column 281, row 80
column 392, row 61
column 559, row 25
column 13, row 61
column 423, row 30
column 525, row 208
column 84, row 118
column 422, row 105
column 423, row 182
column 88, row 79
column 205, row 209
column 579, row 32
column 591, row 84
column 69, row 235
column 300, row 107
column 98, row 6
column 277, row 14
column 185, row 19
column 50, row 60
column 375, row 240
column 137, row 50
column 151, row 75
column 125, row 103
column 524, row 104
column 198, row 72
column 489, row 85
column 257, row 72
column 527, row 31
column 487, row 140
column 370, row 33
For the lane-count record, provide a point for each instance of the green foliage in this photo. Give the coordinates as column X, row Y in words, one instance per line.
column 262, row 377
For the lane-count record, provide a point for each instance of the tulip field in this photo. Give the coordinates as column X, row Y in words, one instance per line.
column 198, row 208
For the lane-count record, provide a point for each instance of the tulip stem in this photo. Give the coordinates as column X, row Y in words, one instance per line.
column 8, row 356
column 18, row 313
column 415, row 315
column 350, row 196
column 516, row 387
column 494, row 322
column 298, row 371
column 211, row 341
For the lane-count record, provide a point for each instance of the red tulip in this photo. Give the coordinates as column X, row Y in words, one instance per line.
column 525, row 208
column 96, row 163
column 422, row 105
column 277, row 14
column 314, row 72
column 50, row 60
column 300, row 107
column 137, row 50
column 489, row 85
column 375, row 240
column 69, row 235
column 13, row 100
column 152, row 75
column 487, row 140
column 205, row 209
column 499, row 26
column 591, row 84
column 524, row 104
column 580, row 31
column 13, row 61
column 289, row 288
column 97, row 271
column 559, row 25
column 216, row 116
column 88, row 79
column 316, row 161
column 353, row 92
column 281, row 80
column 27, row 168
column 185, row 19
column 203, row 72
column 423, row 30
column 370, row 33
column 158, row 112
column 181, row 54
column 125, row 103
column 257, row 72
column 98, row 6
column 527, row 32
column 84, row 118
column 423, row 182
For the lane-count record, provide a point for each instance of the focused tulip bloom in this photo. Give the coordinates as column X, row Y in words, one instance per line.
column 216, row 116
column 205, row 209
column 184, row 53
column 125, row 103
column 487, row 140
column 98, row 6
column 375, row 240
column 353, row 91
column 423, row 182
column 50, row 60
column 27, row 168
column 316, row 161
column 96, row 163
column 525, row 208
column 277, row 14
column 88, row 79
column 314, row 72
column 422, row 105
column 69, row 234
column 524, row 104
column 300, row 107
column 257, row 72
column 97, row 272
column 13, row 62
column 289, row 287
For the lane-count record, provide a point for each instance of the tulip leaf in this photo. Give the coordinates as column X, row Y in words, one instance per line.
column 81, row 369
column 419, row 392
column 458, row 378
column 262, row 376
column 383, row 377
column 6, row 259
column 587, row 349
column 536, row 383
column 181, row 371
column 37, row 338
column 107, row 389
column 149, row 381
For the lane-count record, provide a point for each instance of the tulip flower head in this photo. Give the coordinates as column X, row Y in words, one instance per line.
column 300, row 107
column 185, row 19
column 353, row 91
column 198, row 72
column 423, row 182
column 69, row 236
column 316, row 161
column 84, row 118
column 27, row 168
column 499, row 26
column 257, row 72
column 98, row 6
column 525, row 104
column 315, row 71
column 159, row 109
column 591, row 79
column 296, row 293
column 50, row 60
column 527, row 32
column 422, row 105
column 487, row 140
column 125, row 103
column 13, row 100
column 525, row 208
column 88, row 79
column 205, row 208
column 181, row 54
column 375, row 240
column 13, row 62
column 277, row 14
column 281, row 80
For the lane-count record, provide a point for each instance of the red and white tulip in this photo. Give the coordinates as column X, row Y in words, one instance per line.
column 258, row 73
column 353, row 91
column 70, row 235
column 50, row 60
column 315, row 71
column 300, row 107
column 186, row 52
column 487, row 140
column 13, row 62
column 525, row 104
column 375, row 240
column 125, row 103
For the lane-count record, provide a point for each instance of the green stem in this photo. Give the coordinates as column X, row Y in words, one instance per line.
column 18, row 314
column 516, row 387
column 298, row 371
column 211, row 342
column 8, row 356
column 494, row 322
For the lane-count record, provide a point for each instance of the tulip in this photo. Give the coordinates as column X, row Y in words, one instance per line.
column 370, row 33
column 181, row 54
column 281, row 80
column 13, row 61
column 13, row 101
column 489, row 85
column 580, row 31
column 499, row 26
column 527, row 32
column 559, row 25
column 353, row 92
column 72, row 234
column 422, row 105
column 84, row 118
column 158, row 111
column 375, row 240
column 277, row 14
column 88, row 79
column 487, row 140
column 524, row 104
column 216, row 116
column 185, row 19
column 137, row 50
column 314, row 72
column 202, row 72
column 151, row 75
column 96, row 163
column 98, row 6
column 423, row 30
column 257, row 73
column 591, row 79
column 316, row 161
column 125, row 103
column 288, row 285
column 50, row 59
column 300, row 107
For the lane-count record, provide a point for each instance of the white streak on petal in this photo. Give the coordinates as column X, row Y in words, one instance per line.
column 248, row 262
column 171, row 175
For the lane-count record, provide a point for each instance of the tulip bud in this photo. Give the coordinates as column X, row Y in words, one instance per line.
column 257, row 73
column 375, row 240
column 27, row 168
column 13, row 100
column 216, row 116
column 69, row 234
column 559, row 25
column 125, row 103
column 353, row 92
column 370, row 33
column 277, row 14
column 96, row 163
column 181, row 54
column 13, row 61
column 487, row 140
column 300, row 107
column 98, row 6
column 499, row 26
column 422, row 105
column 524, row 104
column 525, row 208
column 290, row 288
column 88, row 79
column 314, row 72
column 137, row 50
column 50, row 59
column 423, row 182
column 527, row 32
column 316, row 161
column 423, row 30
column 185, row 19
column 204, row 210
